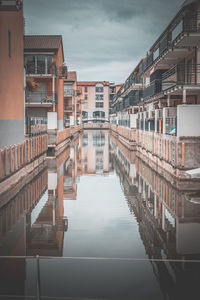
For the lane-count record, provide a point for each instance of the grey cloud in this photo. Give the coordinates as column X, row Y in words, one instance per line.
column 101, row 34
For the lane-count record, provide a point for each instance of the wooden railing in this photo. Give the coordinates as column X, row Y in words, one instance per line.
column 125, row 132
column 167, row 148
column 63, row 135
column 15, row 157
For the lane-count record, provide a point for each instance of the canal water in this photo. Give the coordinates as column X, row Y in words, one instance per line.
column 97, row 222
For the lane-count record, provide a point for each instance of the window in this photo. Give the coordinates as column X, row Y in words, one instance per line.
column 99, row 88
column 67, row 90
column 85, row 105
column 99, row 114
column 85, row 97
column 100, row 97
column 86, row 89
column 84, row 114
column 99, row 104
column 9, row 43
column 40, row 64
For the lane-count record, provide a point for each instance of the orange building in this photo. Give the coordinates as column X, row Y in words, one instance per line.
column 71, row 105
column 11, row 73
column 45, row 72
column 94, row 100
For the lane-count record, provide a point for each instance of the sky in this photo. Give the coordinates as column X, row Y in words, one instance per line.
column 103, row 39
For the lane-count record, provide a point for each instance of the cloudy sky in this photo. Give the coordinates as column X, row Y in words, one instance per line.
column 103, row 39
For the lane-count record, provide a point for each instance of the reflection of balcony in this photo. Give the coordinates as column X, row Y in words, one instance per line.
column 68, row 108
column 180, row 75
column 154, row 88
column 41, row 98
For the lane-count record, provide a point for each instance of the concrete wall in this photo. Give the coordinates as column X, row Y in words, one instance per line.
column 12, row 77
column 133, row 120
column 188, row 120
column 11, row 132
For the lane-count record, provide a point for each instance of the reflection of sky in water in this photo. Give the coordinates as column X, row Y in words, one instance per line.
column 100, row 223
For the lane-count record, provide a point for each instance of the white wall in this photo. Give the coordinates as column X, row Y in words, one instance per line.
column 188, row 120
column 133, row 120
column 52, row 120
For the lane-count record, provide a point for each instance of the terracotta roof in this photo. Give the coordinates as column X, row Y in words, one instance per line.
column 93, row 83
column 42, row 42
column 71, row 76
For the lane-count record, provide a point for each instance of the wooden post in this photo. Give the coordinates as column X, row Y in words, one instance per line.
column 177, row 160
column 11, row 159
column 183, row 154
column 18, row 155
column 28, row 151
column 25, row 154
column 38, row 141
column 15, row 158
column 31, row 149
column 0, row 165
column 22, row 154
column 5, row 160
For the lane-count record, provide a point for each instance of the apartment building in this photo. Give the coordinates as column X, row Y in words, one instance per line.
column 94, row 100
column 45, row 72
column 164, row 100
column 114, row 88
column 11, row 73
column 71, row 103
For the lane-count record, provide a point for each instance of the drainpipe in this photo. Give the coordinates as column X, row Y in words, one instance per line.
column 184, row 96
column 53, row 90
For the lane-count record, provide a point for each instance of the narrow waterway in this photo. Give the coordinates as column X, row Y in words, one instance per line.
column 98, row 223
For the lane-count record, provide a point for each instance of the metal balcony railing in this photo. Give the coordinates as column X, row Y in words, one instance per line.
column 36, row 126
column 47, row 97
column 154, row 88
column 40, row 68
column 181, row 74
column 72, row 92
column 68, row 93
column 185, row 23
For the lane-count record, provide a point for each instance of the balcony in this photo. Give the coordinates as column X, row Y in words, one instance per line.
column 35, row 126
column 133, row 98
column 182, row 33
column 68, row 92
column 45, row 68
column 44, row 99
column 153, row 89
column 10, row 5
column 68, row 108
column 181, row 75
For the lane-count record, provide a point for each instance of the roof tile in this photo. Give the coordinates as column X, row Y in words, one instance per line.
column 42, row 42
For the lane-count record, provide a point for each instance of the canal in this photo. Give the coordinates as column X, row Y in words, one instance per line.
column 97, row 222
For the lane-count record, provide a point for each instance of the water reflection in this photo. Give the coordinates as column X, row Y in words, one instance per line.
column 168, row 215
column 98, row 199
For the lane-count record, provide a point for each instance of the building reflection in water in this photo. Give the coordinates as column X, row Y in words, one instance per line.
column 168, row 217
column 94, row 153
column 167, row 212
column 171, row 211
